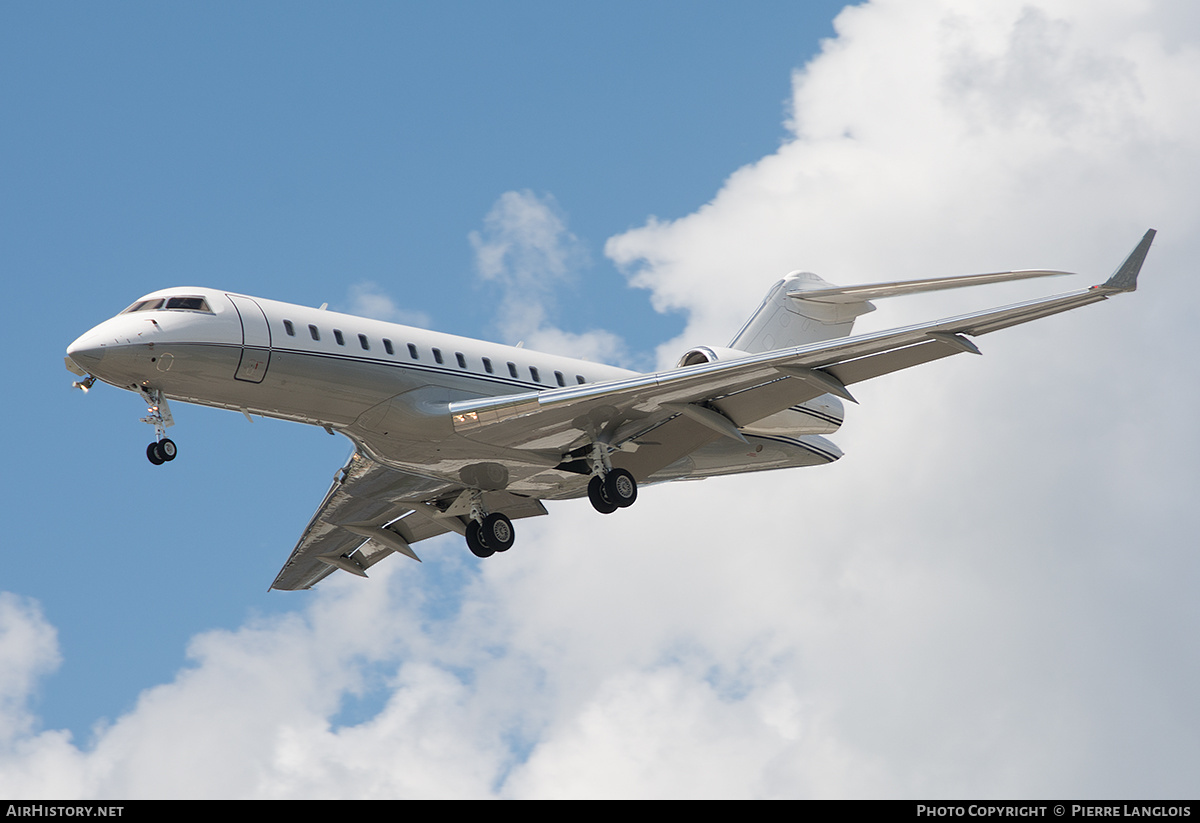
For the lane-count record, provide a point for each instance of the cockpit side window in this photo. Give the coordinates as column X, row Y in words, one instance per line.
column 145, row 305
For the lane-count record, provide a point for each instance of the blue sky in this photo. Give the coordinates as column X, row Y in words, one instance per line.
column 1008, row 551
column 290, row 150
column 285, row 146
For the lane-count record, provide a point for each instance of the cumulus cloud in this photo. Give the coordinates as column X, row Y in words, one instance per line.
column 367, row 299
column 28, row 650
column 527, row 251
column 990, row 595
column 1012, row 136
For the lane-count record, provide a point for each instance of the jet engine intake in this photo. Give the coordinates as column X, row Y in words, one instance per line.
column 708, row 354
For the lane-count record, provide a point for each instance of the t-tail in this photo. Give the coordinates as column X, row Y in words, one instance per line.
column 802, row 308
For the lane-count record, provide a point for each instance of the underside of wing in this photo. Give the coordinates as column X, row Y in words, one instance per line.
column 372, row 511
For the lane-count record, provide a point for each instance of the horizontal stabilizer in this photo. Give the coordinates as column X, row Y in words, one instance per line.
column 857, row 294
column 803, row 308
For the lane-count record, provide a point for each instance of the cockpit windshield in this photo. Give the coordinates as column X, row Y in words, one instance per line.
column 181, row 303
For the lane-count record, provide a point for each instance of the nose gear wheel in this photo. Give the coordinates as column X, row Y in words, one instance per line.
column 158, row 415
column 162, row 451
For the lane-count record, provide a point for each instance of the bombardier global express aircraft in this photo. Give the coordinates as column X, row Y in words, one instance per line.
column 454, row 434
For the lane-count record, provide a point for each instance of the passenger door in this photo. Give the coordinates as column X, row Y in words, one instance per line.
column 256, row 340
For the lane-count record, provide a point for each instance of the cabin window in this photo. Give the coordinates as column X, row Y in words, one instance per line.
column 487, row 366
column 387, row 346
column 362, row 341
column 316, row 335
column 412, row 351
column 289, row 328
column 559, row 377
column 579, row 379
column 512, row 369
column 462, row 361
column 437, row 355
column 533, row 372
column 337, row 335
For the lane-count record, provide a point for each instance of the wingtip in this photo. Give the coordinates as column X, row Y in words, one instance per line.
column 1126, row 275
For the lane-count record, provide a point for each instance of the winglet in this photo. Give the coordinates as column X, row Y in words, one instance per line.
column 1126, row 275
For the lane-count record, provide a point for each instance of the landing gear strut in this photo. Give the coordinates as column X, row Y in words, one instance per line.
column 163, row 449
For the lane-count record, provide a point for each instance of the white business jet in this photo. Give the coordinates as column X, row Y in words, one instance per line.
column 462, row 435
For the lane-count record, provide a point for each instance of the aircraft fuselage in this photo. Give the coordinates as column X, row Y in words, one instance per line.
column 384, row 385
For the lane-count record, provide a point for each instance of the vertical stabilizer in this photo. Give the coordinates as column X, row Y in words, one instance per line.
column 786, row 318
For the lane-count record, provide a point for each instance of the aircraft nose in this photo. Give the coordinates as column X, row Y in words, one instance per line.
column 87, row 351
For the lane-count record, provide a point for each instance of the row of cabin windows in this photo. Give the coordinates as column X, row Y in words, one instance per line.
column 315, row 333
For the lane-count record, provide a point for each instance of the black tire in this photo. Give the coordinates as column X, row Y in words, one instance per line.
column 475, row 544
column 154, row 455
column 167, row 449
column 620, row 488
column 497, row 532
column 599, row 496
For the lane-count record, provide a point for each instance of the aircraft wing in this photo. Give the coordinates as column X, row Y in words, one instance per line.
column 371, row 511
column 673, row 412
column 652, row 420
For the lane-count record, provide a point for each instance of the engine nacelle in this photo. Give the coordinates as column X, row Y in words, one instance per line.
column 708, row 354
column 821, row 415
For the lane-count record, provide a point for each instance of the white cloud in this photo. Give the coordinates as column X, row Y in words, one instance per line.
column 991, row 595
column 916, row 150
column 526, row 249
column 28, row 651
column 525, row 242
column 367, row 299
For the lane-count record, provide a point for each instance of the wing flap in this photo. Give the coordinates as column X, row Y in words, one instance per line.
column 362, row 492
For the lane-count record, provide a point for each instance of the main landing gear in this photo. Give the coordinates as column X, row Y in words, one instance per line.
column 163, row 449
column 609, row 489
column 617, row 490
column 488, row 533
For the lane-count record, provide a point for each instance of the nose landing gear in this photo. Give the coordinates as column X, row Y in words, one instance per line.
column 163, row 449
